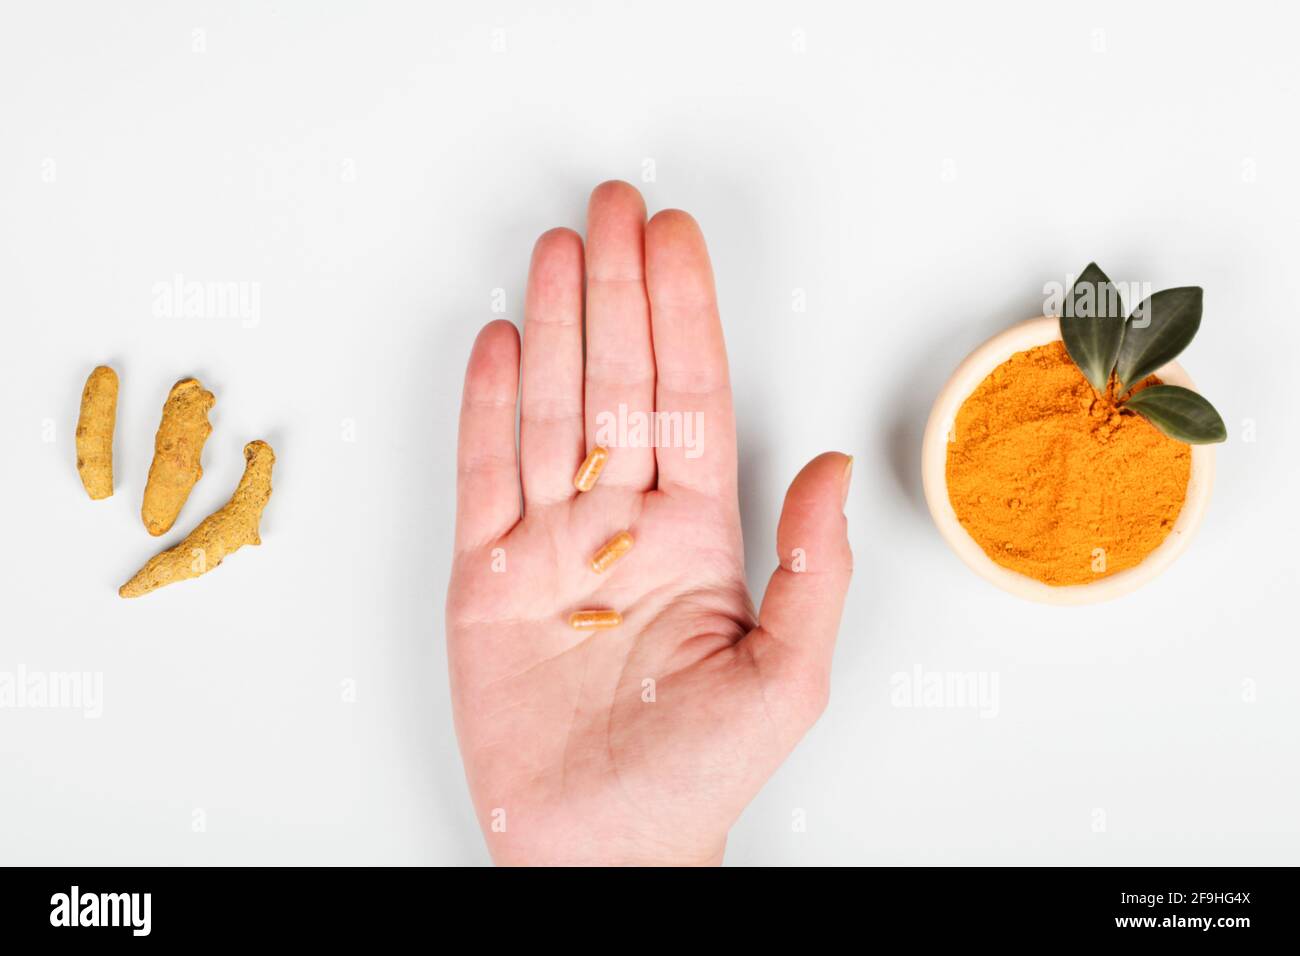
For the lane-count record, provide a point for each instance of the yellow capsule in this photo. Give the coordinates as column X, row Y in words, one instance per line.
column 611, row 551
column 594, row 620
column 590, row 469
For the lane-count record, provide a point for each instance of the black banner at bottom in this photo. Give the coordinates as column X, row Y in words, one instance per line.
column 336, row 906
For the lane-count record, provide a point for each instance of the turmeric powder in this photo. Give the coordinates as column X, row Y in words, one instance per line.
column 1056, row 482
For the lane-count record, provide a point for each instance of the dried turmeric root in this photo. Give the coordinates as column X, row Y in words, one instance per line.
column 95, row 427
column 176, row 451
column 223, row 532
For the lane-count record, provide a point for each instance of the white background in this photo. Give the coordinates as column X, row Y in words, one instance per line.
column 378, row 169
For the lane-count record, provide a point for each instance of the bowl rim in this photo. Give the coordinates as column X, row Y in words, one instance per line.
column 934, row 458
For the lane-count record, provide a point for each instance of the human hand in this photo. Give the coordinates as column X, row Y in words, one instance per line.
column 640, row 744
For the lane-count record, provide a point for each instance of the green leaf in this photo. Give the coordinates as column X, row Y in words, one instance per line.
column 1092, row 325
column 1157, row 331
column 1180, row 413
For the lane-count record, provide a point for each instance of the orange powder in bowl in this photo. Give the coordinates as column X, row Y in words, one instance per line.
column 1053, row 480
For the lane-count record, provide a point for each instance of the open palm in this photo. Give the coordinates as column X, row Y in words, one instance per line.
column 642, row 743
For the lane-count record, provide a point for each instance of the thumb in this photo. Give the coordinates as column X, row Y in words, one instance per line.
column 800, row 615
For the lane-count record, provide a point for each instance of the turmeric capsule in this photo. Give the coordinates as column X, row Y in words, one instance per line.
column 594, row 620
column 611, row 551
column 590, row 469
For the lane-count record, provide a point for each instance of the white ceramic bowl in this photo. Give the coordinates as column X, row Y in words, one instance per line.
column 934, row 459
